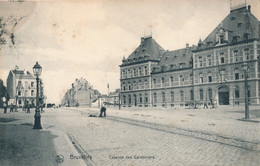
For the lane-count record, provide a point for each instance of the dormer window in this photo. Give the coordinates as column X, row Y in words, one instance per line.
column 209, row 44
column 239, row 24
column 233, row 18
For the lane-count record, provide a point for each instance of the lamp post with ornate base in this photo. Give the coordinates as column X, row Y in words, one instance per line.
column 37, row 69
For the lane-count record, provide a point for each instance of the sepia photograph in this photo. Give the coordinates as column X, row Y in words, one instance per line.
column 129, row 82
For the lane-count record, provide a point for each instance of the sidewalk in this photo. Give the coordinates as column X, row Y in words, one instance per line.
column 223, row 121
column 22, row 146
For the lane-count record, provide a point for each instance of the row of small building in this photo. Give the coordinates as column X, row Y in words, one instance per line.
column 212, row 71
column 82, row 94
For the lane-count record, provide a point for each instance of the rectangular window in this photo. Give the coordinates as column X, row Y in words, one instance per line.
column 172, row 96
column 171, row 79
column 181, row 80
column 182, row 95
column 146, row 70
column 236, row 56
column 209, row 60
column 237, row 95
column 210, row 78
column 246, row 54
column 155, row 98
column 201, row 94
column 236, row 76
column 191, row 95
column 163, row 97
column 200, row 61
column 32, row 93
column 222, row 58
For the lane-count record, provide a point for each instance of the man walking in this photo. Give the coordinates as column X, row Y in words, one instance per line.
column 102, row 110
column 28, row 107
column 11, row 107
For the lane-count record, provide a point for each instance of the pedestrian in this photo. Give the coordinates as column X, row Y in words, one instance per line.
column 5, row 107
column 28, row 107
column 102, row 110
column 11, row 107
column 206, row 104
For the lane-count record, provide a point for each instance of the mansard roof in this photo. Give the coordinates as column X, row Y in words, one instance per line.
column 21, row 74
column 239, row 26
column 175, row 60
column 148, row 50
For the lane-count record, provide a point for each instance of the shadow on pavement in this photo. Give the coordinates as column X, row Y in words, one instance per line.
column 23, row 146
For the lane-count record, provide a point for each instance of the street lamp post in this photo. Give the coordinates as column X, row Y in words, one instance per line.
column 119, row 100
column 245, row 68
column 37, row 69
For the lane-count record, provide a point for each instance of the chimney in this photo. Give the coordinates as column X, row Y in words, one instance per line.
column 142, row 39
column 249, row 8
column 187, row 45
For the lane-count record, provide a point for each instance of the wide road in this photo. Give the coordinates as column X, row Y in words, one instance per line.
column 123, row 141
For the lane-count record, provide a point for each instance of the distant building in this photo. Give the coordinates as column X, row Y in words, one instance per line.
column 109, row 100
column 212, row 71
column 21, row 87
column 80, row 94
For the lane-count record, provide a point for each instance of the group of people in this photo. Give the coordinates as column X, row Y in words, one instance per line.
column 12, row 107
column 26, row 107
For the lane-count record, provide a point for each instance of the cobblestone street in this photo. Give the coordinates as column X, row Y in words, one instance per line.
column 149, row 137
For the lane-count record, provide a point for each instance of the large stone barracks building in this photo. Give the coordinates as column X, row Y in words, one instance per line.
column 212, row 71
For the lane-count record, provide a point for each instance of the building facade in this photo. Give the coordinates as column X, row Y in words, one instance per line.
column 80, row 94
column 21, row 88
column 211, row 71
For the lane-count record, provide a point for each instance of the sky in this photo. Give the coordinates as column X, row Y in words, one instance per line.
column 88, row 39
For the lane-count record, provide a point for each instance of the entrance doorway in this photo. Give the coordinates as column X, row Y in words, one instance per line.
column 223, row 95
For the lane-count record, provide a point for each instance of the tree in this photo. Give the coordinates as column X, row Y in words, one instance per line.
column 3, row 92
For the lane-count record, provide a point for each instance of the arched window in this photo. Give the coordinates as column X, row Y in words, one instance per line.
column 162, row 82
column 171, row 79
